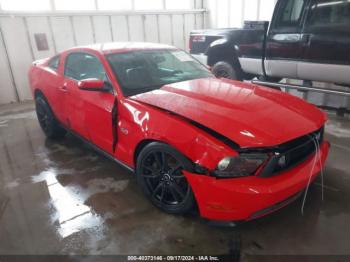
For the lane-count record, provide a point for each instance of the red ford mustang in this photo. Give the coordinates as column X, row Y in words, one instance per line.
column 235, row 150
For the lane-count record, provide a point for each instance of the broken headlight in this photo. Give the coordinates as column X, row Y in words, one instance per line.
column 239, row 166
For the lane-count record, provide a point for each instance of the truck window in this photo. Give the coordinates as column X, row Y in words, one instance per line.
column 332, row 14
column 290, row 14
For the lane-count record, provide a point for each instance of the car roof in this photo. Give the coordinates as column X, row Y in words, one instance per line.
column 116, row 47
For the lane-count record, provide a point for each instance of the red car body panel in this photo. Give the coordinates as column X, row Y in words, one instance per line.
column 148, row 123
column 250, row 115
column 245, row 113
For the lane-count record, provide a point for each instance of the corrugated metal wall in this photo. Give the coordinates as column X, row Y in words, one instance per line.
column 232, row 13
column 63, row 30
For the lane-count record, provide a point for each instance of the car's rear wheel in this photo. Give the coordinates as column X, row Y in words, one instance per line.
column 47, row 120
column 159, row 172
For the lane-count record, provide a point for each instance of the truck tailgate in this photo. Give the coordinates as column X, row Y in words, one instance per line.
column 200, row 43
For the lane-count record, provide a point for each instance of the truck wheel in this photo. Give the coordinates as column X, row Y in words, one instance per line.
column 226, row 70
column 47, row 120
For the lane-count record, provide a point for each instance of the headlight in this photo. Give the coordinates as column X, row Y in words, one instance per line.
column 239, row 166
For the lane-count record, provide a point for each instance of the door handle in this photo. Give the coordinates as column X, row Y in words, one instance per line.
column 287, row 38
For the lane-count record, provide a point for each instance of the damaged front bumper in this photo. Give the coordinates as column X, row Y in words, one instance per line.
column 247, row 198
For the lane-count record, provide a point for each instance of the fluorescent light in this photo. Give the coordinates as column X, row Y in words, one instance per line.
column 22, row 5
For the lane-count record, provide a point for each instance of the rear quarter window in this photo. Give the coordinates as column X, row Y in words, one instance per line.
column 54, row 63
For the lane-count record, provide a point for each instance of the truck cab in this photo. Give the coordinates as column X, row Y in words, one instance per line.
column 306, row 40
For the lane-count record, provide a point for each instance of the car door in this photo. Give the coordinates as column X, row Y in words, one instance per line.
column 89, row 112
column 284, row 44
column 327, row 54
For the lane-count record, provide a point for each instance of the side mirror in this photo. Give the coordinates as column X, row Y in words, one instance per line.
column 92, row 84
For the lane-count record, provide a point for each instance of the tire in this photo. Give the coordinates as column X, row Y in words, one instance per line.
column 226, row 70
column 47, row 120
column 159, row 174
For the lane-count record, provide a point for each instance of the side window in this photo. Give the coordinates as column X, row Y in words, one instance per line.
column 81, row 66
column 54, row 62
column 332, row 14
column 290, row 14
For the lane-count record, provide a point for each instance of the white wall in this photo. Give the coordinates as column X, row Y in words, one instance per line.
column 233, row 13
column 64, row 30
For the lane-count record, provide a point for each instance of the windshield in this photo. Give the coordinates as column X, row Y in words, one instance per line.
column 143, row 71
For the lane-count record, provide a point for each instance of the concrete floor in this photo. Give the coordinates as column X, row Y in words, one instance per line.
column 63, row 198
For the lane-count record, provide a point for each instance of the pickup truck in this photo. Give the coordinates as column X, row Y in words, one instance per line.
column 306, row 40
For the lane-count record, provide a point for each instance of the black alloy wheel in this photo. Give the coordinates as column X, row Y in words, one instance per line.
column 43, row 116
column 159, row 171
column 46, row 119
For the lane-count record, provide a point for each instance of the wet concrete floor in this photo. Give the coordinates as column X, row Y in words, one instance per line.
column 63, row 198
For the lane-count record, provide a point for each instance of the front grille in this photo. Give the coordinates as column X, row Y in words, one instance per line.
column 292, row 153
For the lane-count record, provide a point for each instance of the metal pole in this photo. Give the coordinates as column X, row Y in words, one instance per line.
column 25, row 22
column 8, row 61
column 242, row 12
column 258, row 10
column 52, row 5
column 303, row 88
column 52, row 34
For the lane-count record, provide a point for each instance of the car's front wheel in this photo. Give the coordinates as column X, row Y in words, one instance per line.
column 159, row 171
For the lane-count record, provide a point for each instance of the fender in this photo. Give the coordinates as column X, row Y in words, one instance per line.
column 142, row 121
column 222, row 50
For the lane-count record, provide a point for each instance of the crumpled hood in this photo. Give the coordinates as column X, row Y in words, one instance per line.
column 249, row 115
